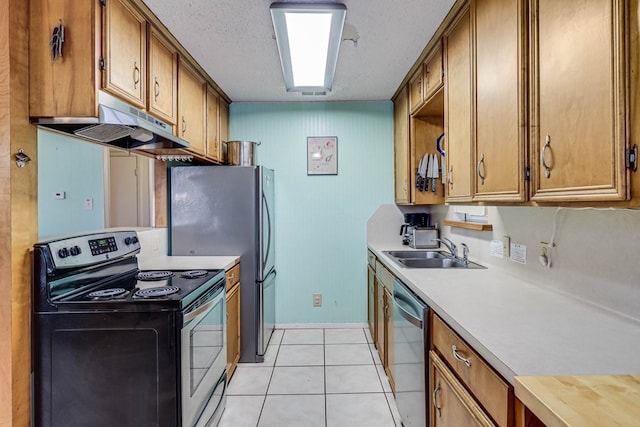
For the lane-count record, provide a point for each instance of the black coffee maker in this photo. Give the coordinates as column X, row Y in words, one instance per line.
column 412, row 221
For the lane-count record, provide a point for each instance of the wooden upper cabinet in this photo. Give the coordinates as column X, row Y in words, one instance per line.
column 416, row 90
column 214, row 151
column 192, row 98
column 500, row 109
column 67, row 87
column 402, row 173
column 433, row 73
column 458, row 103
column 578, row 100
column 163, row 77
column 427, row 79
column 223, row 124
column 125, row 52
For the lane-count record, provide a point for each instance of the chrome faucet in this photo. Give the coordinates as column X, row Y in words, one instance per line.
column 453, row 250
column 465, row 253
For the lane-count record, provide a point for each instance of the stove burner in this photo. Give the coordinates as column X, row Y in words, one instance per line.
column 106, row 293
column 160, row 291
column 154, row 275
column 194, row 274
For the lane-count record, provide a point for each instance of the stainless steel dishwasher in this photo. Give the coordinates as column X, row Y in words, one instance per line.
column 410, row 343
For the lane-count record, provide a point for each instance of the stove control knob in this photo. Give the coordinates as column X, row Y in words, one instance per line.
column 63, row 252
column 130, row 240
column 75, row 250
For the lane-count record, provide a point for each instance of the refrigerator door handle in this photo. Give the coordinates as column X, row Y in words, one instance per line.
column 273, row 272
column 266, row 207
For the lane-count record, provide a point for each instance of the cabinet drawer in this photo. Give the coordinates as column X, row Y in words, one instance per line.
column 233, row 276
column 451, row 403
column 491, row 391
column 384, row 276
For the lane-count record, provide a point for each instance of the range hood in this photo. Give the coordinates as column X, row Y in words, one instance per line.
column 118, row 124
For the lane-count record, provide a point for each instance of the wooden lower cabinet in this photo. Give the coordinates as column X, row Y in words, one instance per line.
column 380, row 324
column 489, row 390
column 372, row 302
column 233, row 319
column 451, row 404
column 388, row 338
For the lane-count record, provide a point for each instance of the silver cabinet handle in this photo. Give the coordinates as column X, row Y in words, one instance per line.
column 156, row 87
column 547, row 169
column 459, row 357
column 480, row 169
column 184, row 126
column 450, row 177
column 435, row 399
column 136, row 75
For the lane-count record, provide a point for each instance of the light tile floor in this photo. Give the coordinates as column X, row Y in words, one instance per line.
column 313, row 377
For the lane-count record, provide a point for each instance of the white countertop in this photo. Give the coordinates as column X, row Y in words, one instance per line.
column 518, row 327
column 153, row 255
column 187, row 262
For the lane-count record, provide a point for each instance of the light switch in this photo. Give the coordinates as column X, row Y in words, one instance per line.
column 88, row 204
column 59, row 195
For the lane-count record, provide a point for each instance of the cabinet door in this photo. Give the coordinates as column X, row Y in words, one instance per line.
column 233, row 329
column 191, row 108
column 433, row 73
column 380, row 326
column 451, row 404
column 223, row 125
column 578, row 97
column 500, row 134
column 68, row 86
column 163, row 81
column 402, row 174
column 125, row 41
column 388, row 338
column 458, row 119
column 416, row 90
column 213, row 117
column 371, row 301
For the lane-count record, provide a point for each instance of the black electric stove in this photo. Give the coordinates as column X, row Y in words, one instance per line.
column 114, row 345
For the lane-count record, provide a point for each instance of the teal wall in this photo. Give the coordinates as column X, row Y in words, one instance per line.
column 321, row 220
column 75, row 167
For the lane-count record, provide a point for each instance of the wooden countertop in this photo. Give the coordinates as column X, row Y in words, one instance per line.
column 598, row 400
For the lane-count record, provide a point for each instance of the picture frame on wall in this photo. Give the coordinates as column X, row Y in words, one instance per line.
column 322, row 155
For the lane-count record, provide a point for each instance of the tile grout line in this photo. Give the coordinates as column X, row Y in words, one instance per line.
column 324, row 371
column 273, row 368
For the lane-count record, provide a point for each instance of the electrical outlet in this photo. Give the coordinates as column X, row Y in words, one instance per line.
column 544, row 259
column 317, row 300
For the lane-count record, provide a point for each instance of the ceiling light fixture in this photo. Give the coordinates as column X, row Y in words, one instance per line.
column 308, row 37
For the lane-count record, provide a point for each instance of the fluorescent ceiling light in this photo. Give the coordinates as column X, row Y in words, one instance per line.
column 308, row 37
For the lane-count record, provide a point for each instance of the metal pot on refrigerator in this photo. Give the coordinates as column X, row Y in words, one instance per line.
column 241, row 153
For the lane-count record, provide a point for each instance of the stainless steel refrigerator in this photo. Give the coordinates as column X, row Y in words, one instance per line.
column 228, row 210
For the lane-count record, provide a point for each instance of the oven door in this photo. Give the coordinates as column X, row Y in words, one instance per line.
column 203, row 358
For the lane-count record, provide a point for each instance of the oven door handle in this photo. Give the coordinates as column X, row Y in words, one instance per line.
column 204, row 308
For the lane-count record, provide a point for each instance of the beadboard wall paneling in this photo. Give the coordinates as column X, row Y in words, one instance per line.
column 75, row 167
column 321, row 220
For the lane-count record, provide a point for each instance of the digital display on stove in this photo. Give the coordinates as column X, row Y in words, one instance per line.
column 102, row 246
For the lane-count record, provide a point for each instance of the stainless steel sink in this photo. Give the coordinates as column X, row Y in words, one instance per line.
column 429, row 259
column 416, row 254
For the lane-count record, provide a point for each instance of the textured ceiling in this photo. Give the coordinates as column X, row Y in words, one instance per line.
column 233, row 40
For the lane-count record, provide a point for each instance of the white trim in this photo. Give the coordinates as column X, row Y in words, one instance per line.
column 321, row 325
